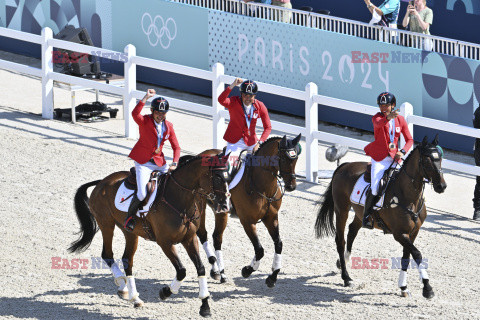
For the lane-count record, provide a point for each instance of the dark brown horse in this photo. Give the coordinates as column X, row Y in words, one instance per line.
column 173, row 218
column 403, row 212
column 257, row 198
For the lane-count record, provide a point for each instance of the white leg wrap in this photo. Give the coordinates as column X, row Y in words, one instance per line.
column 119, row 277
column 207, row 249
column 255, row 264
column 347, row 256
column 277, row 262
column 175, row 285
column 402, row 279
column 423, row 273
column 202, row 283
column 219, row 255
column 132, row 288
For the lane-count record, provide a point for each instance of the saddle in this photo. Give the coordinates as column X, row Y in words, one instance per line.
column 156, row 178
column 388, row 175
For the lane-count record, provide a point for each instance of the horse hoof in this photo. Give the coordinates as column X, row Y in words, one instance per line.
column 223, row 279
column 406, row 294
column 428, row 294
column 270, row 282
column 138, row 304
column 215, row 275
column 123, row 294
column 205, row 309
column 349, row 283
column 247, row 271
column 338, row 264
column 165, row 293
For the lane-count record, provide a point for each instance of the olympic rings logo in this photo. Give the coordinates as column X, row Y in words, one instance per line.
column 158, row 30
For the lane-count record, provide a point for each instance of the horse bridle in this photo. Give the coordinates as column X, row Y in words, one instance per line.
column 423, row 153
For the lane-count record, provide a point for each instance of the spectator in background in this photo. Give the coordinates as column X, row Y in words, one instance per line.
column 476, row 154
column 419, row 18
column 386, row 14
column 284, row 15
column 259, row 12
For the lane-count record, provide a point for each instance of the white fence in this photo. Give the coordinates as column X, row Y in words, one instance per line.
column 345, row 26
column 218, row 113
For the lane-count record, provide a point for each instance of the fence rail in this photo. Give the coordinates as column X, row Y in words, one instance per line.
column 216, row 111
column 345, row 26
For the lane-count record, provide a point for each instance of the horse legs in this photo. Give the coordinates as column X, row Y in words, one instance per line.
column 203, row 236
column 271, row 223
column 409, row 248
column 220, row 225
column 107, row 228
column 251, row 230
column 131, row 242
column 171, row 253
column 191, row 245
column 352, row 234
column 341, row 221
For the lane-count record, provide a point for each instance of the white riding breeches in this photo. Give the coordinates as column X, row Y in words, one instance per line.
column 233, row 151
column 378, row 168
column 143, row 176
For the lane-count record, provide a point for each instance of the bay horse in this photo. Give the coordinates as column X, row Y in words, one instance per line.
column 256, row 198
column 173, row 218
column 403, row 212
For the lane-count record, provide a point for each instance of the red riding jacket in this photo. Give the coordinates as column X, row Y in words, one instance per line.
column 379, row 149
column 237, row 128
column 144, row 149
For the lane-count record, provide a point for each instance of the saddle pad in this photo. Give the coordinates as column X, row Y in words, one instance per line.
column 237, row 177
column 124, row 193
column 359, row 193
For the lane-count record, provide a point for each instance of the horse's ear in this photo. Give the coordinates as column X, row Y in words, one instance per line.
column 283, row 142
column 425, row 141
column 296, row 139
column 435, row 141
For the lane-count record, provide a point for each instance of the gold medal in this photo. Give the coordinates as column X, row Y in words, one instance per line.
column 391, row 146
column 158, row 150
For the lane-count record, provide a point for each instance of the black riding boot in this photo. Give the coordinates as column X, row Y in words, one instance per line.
column 369, row 203
column 129, row 224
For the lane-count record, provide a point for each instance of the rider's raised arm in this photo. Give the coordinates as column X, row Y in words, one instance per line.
column 175, row 146
column 267, row 126
column 136, row 113
column 223, row 98
column 379, row 121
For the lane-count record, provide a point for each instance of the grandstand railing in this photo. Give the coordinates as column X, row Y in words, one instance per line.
column 345, row 26
column 216, row 111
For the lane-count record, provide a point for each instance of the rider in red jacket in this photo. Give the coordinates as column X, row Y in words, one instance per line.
column 147, row 152
column 387, row 127
column 244, row 112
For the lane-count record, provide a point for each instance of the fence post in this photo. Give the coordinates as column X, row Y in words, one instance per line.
column 130, row 74
column 311, row 123
column 406, row 110
column 47, row 69
column 218, row 121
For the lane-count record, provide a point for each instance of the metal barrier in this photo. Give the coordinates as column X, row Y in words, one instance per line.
column 218, row 113
column 344, row 26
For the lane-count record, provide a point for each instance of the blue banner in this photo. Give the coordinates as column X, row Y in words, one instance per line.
column 343, row 67
column 162, row 30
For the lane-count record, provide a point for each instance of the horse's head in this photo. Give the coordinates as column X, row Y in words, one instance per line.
column 288, row 152
column 217, row 184
column 431, row 155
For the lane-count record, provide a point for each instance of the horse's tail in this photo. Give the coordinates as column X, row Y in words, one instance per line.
column 88, row 225
column 324, row 225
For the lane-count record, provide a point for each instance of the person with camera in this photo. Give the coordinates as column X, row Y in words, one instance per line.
column 386, row 14
column 147, row 152
column 419, row 18
column 387, row 127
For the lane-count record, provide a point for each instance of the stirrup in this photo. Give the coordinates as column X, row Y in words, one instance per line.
column 368, row 222
column 129, row 224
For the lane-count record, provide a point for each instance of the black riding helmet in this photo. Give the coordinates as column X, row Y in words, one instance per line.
column 249, row 87
column 160, row 104
column 386, row 98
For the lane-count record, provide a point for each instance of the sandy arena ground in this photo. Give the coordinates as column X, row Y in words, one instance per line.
column 45, row 161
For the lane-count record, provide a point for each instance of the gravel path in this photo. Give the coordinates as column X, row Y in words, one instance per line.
column 44, row 162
